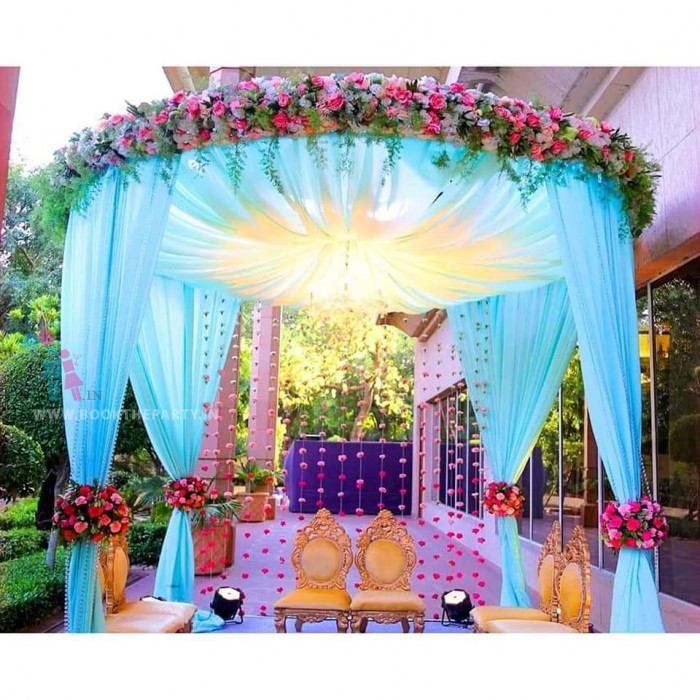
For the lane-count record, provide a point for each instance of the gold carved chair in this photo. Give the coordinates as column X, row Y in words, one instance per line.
column 140, row 616
column 385, row 559
column 573, row 590
column 321, row 559
column 548, row 566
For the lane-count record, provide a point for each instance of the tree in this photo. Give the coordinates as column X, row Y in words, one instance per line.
column 341, row 373
column 21, row 463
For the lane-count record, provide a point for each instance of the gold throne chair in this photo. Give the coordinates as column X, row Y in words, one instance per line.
column 321, row 559
column 573, row 592
column 142, row 615
column 385, row 559
column 548, row 566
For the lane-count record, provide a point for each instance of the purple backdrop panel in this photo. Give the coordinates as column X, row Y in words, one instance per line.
column 382, row 474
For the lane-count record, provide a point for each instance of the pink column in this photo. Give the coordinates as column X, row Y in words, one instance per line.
column 264, row 383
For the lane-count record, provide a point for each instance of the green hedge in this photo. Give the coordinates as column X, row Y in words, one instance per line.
column 30, row 591
column 22, row 541
column 145, row 542
column 21, row 463
column 20, row 514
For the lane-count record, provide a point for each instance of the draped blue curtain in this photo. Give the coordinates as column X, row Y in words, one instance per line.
column 514, row 350
column 183, row 343
column 599, row 268
column 110, row 254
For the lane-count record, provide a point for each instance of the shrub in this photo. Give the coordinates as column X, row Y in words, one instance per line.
column 145, row 542
column 684, row 529
column 19, row 514
column 21, row 463
column 21, row 541
column 30, row 591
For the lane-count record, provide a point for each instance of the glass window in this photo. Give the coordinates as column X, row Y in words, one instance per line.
column 676, row 336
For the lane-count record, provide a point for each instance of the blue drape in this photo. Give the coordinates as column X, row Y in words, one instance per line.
column 183, row 343
column 111, row 251
column 514, row 351
column 599, row 267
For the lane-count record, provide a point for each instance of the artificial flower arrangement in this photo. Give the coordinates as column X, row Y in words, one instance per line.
column 638, row 524
column 91, row 512
column 200, row 498
column 372, row 106
column 502, row 498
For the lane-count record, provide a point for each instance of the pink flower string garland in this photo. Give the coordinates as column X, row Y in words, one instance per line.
column 638, row 524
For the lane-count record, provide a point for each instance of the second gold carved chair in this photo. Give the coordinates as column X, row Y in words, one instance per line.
column 548, row 565
column 573, row 590
column 385, row 559
column 321, row 559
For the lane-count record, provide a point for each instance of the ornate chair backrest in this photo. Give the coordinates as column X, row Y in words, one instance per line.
column 322, row 555
column 574, row 582
column 386, row 555
column 113, row 571
column 548, row 566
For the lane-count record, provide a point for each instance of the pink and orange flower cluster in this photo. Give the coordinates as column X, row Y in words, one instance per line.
column 502, row 499
column 361, row 103
column 638, row 524
column 93, row 512
column 187, row 494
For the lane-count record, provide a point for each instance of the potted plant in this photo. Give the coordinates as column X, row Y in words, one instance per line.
column 258, row 485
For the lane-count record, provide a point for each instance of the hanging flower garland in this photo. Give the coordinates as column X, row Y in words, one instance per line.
column 638, row 524
column 501, row 498
column 91, row 512
column 381, row 108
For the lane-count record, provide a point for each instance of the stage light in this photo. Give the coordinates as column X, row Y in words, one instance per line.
column 152, row 597
column 456, row 607
column 227, row 603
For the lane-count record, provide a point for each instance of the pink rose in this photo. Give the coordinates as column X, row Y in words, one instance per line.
column 192, row 106
column 283, row 99
column 115, row 527
column 205, row 134
column 555, row 113
column 219, row 109
column 532, row 120
column 335, row 102
column 302, row 89
column 80, row 526
column 402, row 95
column 557, row 147
column 178, row 97
column 240, row 124
column 536, row 151
column 606, row 128
column 116, row 119
column 615, row 521
column 317, row 80
column 437, row 101
column 456, row 87
column 280, row 120
column 468, row 99
column 585, row 134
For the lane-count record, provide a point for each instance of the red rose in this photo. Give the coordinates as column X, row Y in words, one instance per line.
column 281, row 121
column 97, row 537
column 85, row 491
column 514, row 137
column 658, row 522
column 532, row 120
column 94, row 512
column 557, row 147
column 69, row 535
column 633, row 524
column 635, row 507
column 630, row 542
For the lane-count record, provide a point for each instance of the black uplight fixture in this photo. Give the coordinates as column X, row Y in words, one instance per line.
column 151, row 598
column 227, row 603
column 456, row 608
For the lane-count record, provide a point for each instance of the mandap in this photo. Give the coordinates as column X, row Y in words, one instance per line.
column 518, row 219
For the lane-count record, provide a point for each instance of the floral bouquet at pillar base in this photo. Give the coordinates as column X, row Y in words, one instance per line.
column 188, row 493
column 638, row 524
column 91, row 512
column 502, row 498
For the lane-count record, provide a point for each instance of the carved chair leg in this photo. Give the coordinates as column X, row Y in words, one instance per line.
column 363, row 624
column 341, row 623
column 280, row 621
column 404, row 625
column 418, row 623
column 297, row 624
column 355, row 623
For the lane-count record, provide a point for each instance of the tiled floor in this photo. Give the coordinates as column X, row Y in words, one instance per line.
column 263, row 570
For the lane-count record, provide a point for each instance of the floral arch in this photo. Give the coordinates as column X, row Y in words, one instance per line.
column 518, row 219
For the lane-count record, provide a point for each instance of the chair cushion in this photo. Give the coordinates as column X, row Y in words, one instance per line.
column 387, row 600
column 385, row 561
column 486, row 613
column 526, row 627
column 321, row 559
column 571, row 592
column 545, row 578
column 180, row 611
column 315, row 599
column 128, row 623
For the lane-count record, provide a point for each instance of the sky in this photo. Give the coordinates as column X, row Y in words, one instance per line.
column 75, row 101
